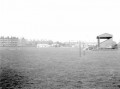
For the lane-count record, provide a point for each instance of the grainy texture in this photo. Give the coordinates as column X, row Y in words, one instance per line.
column 59, row 68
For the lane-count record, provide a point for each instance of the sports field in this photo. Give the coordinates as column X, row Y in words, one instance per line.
column 59, row 68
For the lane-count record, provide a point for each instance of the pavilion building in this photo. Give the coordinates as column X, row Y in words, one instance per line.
column 107, row 43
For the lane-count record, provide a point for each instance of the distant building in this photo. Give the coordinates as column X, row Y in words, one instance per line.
column 43, row 45
column 9, row 41
column 89, row 45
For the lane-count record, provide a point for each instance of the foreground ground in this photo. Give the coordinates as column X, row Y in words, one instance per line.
column 59, row 68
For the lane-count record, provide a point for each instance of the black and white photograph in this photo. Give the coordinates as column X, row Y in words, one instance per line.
column 59, row 44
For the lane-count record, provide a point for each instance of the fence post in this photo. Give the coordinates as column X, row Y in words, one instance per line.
column 80, row 49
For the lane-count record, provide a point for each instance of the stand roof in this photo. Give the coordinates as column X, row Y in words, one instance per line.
column 104, row 36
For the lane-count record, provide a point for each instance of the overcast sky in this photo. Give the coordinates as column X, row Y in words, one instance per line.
column 60, row 19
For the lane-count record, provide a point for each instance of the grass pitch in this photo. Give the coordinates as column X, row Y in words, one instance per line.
column 59, row 68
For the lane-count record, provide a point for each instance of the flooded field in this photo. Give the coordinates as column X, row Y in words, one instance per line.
column 59, row 68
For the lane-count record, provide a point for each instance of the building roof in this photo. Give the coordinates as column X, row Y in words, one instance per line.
column 105, row 35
